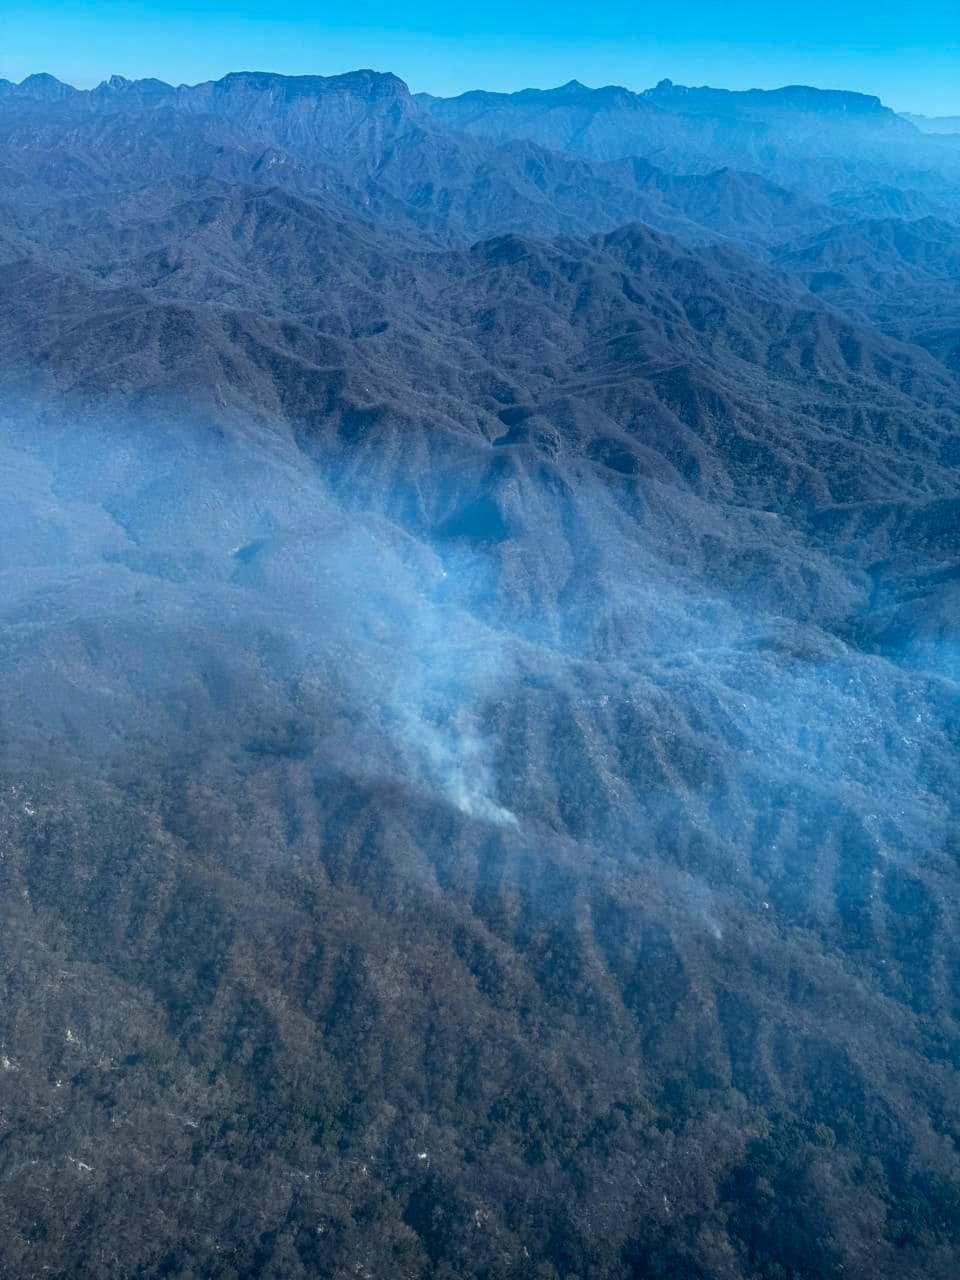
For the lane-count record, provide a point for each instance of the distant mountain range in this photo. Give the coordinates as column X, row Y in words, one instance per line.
column 934, row 124
column 781, row 133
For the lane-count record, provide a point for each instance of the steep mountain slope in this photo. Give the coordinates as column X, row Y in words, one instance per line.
column 362, row 139
column 903, row 276
column 895, row 202
column 812, row 139
column 706, row 337
column 603, row 124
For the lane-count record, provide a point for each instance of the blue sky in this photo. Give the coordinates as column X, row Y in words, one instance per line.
column 908, row 54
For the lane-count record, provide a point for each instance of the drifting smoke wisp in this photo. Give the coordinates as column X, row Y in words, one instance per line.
column 220, row 593
column 453, row 756
column 164, row 584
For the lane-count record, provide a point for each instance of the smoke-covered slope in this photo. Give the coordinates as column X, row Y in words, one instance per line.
column 325, row 830
column 478, row 730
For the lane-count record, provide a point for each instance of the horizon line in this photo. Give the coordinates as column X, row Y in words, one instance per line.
column 529, row 88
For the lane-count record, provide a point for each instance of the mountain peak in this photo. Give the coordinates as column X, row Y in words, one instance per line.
column 792, row 97
column 44, row 87
column 364, row 83
column 142, row 88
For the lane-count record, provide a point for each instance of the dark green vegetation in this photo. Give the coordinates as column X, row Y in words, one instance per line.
column 478, row 722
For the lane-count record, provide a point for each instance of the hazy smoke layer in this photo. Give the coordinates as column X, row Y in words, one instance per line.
column 520, row 652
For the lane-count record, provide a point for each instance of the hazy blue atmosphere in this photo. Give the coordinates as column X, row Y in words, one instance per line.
column 907, row 55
